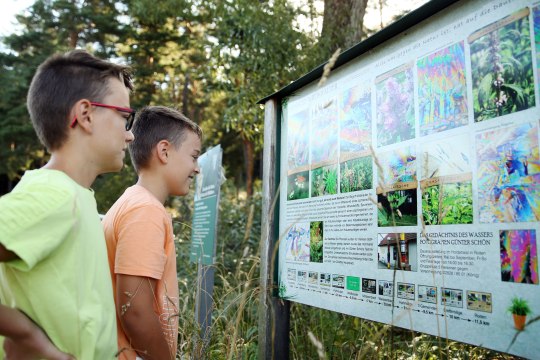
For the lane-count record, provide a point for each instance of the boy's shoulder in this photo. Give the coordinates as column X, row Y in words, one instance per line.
column 45, row 179
column 41, row 187
column 138, row 195
column 135, row 198
column 39, row 198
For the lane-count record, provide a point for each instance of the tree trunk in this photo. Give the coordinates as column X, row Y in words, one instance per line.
column 73, row 38
column 249, row 157
column 343, row 23
column 185, row 95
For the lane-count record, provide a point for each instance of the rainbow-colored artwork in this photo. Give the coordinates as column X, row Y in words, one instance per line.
column 355, row 120
column 398, row 166
column 298, row 140
column 297, row 239
column 509, row 174
column 442, row 90
column 519, row 260
column 324, row 132
column 395, row 107
column 536, row 17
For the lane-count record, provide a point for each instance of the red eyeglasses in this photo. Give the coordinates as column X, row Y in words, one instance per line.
column 129, row 119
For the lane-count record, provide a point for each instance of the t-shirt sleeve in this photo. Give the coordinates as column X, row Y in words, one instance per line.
column 140, row 250
column 34, row 222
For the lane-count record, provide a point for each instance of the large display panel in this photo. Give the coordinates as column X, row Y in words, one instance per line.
column 410, row 181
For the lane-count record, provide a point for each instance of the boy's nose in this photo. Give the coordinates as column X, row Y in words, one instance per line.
column 129, row 136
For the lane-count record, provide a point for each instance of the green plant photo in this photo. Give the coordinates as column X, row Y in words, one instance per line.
column 519, row 306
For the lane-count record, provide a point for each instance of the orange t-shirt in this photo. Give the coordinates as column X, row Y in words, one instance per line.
column 140, row 242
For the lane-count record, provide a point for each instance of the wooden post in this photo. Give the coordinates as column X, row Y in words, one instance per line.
column 273, row 312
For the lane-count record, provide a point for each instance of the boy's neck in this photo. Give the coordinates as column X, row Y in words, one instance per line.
column 154, row 184
column 81, row 173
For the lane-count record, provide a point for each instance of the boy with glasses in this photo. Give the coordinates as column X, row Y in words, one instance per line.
column 139, row 233
column 53, row 257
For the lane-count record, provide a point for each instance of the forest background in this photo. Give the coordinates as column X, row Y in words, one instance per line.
column 213, row 60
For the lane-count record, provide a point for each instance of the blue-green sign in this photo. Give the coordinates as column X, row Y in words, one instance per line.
column 204, row 225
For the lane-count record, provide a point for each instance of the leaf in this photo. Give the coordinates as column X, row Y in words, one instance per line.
column 517, row 91
column 484, row 90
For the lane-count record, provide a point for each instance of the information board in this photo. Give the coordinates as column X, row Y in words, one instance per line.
column 410, row 181
column 204, row 224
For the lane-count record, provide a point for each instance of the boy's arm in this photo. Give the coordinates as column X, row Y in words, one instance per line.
column 24, row 339
column 6, row 255
column 136, row 296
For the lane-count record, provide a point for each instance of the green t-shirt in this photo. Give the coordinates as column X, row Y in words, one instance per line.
column 62, row 279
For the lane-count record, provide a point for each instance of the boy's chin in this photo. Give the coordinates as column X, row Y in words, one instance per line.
column 113, row 168
column 179, row 191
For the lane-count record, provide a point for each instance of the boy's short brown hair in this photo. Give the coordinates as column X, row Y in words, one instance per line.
column 59, row 83
column 153, row 124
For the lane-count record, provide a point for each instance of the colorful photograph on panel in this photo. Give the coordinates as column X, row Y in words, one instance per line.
column 395, row 106
column 442, row 90
column 446, row 182
column 298, row 242
column 536, row 17
column 479, row 301
column 501, row 65
column 508, row 174
column 298, row 185
column 325, row 279
column 298, row 140
column 355, row 120
column 452, row 297
column 369, row 286
column 397, row 208
column 397, row 188
column 397, row 166
column 356, row 175
column 519, row 257
column 405, row 291
column 386, row 288
column 316, row 241
column 427, row 294
column 324, row 181
column 338, row 281
column 397, row 251
column 324, row 132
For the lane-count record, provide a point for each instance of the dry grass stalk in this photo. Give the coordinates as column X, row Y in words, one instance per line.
column 328, row 67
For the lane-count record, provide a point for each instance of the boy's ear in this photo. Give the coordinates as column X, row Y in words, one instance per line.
column 162, row 149
column 82, row 110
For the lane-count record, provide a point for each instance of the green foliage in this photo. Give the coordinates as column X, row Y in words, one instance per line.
column 344, row 337
column 251, row 61
column 48, row 27
column 503, row 80
column 396, row 199
column 324, row 181
column 448, row 204
column 356, row 175
column 316, row 241
column 235, row 316
column 390, row 213
column 298, row 186
column 519, row 306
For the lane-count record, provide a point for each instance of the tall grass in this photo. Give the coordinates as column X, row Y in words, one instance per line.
column 314, row 333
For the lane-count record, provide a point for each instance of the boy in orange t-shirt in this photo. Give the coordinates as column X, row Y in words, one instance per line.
column 139, row 234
